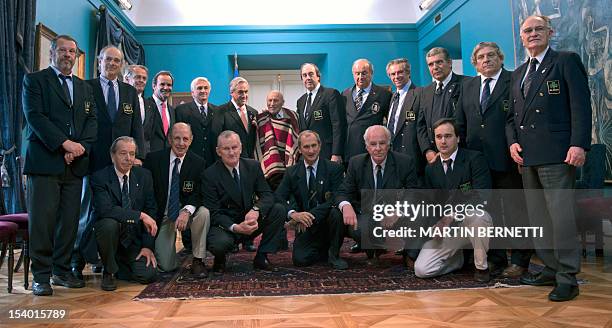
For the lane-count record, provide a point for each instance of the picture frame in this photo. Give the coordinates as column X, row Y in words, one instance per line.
column 178, row 98
column 42, row 44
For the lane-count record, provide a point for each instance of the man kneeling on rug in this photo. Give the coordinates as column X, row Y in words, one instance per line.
column 123, row 210
column 308, row 190
column 461, row 177
column 241, row 204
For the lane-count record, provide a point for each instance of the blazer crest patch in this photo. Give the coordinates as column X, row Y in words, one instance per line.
column 187, row 186
column 127, row 108
column 554, row 87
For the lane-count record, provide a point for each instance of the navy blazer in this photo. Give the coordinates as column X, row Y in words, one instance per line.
column 107, row 201
column 158, row 140
column 405, row 138
column 127, row 123
column 373, row 112
column 486, row 133
column 51, row 120
column 203, row 141
column 327, row 118
column 227, row 118
column 556, row 113
column 293, row 189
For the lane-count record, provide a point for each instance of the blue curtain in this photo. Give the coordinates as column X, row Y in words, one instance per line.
column 16, row 59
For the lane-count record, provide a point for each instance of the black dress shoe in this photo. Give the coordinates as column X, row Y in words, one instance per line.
column 67, row 280
column 482, row 275
column 96, row 268
column 538, row 280
column 77, row 273
column 356, row 248
column 563, row 292
column 219, row 266
column 42, row 289
column 261, row 262
column 108, row 282
column 198, row 268
column 336, row 262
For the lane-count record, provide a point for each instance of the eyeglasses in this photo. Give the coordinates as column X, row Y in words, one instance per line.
column 537, row 29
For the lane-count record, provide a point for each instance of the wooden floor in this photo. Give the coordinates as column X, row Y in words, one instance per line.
column 501, row 307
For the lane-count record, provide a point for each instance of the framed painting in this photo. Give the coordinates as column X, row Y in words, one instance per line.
column 44, row 36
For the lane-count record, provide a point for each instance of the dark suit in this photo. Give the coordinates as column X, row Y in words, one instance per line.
column 227, row 118
column 327, row 117
column 553, row 116
column 468, row 183
column 203, row 140
column 228, row 205
column 428, row 115
column 327, row 230
column 148, row 124
column 483, row 132
column 54, row 188
column 405, row 137
column 398, row 173
column 373, row 111
column 158, row 140
column 119, row 232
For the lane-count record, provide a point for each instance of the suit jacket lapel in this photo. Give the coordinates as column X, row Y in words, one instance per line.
column 234, row 114
column 541, row 73
column 458, row 167
column 99, row 96
column 55, row 84
column 389, row 170
column 501, row 88
column 134, row 185
column 428, row 101
column 409, row 100
column 114, row 183
column 368, row 172
column 227, row 181
column 303, row 183
column 315, row 103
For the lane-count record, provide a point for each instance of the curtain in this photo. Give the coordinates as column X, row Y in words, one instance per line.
column 17, row 28
column 110, row 32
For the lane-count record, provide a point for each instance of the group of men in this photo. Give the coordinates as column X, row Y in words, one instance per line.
column 228, row 173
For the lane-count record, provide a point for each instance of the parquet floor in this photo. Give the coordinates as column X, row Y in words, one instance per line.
column 502, row 307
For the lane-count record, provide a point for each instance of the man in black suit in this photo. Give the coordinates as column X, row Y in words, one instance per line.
column 239, row 117
column 60, row 112
column 548, row 131
column 481, row 119
column 321, row 110
column 377, row 169
column 308, row 190
column 231, row 187
column 437, row 100
column 163, row 113
column 118, row 115
column 462, row 178
column 124, row 208
column 199, row 113
column 366, row 104
column 403, row 113
column 136, row 76
column 177, row 181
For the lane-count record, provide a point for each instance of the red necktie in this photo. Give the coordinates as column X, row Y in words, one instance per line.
column 165, row 122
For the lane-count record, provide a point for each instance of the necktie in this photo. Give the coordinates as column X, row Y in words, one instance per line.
column 311, row 187
column 165, row 122
column 486, row 93
column 308, row 105
column 125, row 193
column 359, row 100
column 65, row 87
column 173, row 198
column 236, row 178
column 142, row 108
column 111, row 101
column 439, row 88
column 449, row 166
column 532, row 72
column 203, row 112
column 379, row 177
column 243, row 118
column 394, row 105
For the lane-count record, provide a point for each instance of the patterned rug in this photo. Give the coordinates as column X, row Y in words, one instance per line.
column 240, row 280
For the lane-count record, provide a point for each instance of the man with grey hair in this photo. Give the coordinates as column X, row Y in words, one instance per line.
column 481, row 118
column 379, row 168
column 237, row 116
column 137, row 76
column 118, row 115
column 320, row 109
column 367, row 104
column 164, row 114
column 199, row 113
column 437, row 100
column 124, row 212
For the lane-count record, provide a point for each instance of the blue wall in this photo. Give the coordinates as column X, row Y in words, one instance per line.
column 208, row 51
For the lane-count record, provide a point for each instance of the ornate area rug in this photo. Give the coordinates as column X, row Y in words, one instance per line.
column 240, row 280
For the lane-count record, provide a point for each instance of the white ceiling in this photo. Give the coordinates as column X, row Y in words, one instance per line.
column 272, row 12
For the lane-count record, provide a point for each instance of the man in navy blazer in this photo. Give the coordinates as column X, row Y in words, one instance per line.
column 61, row 125
column 481, row 119
column 324, row 115
column 124, row 211
column 366, row 104
column 549, row 131
column 308, row 189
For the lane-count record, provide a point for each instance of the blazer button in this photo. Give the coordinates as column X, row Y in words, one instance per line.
column 541, row 94
column 537, row 110
column 532, row 126
column 515, row 114
column 482, row 126
column 521, row 127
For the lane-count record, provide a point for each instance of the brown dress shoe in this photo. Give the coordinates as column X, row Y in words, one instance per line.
column 514, row 271
column 198, row 268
